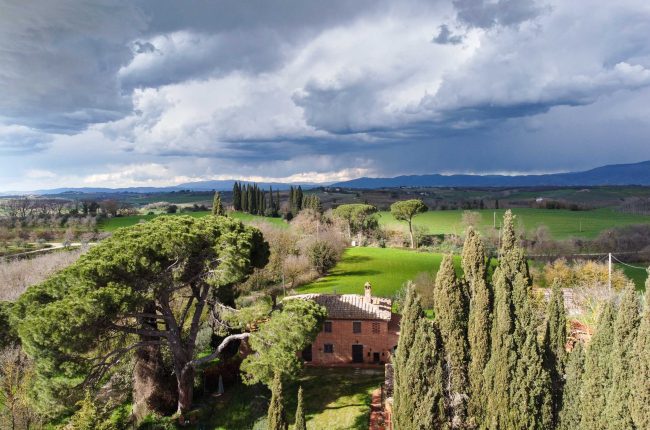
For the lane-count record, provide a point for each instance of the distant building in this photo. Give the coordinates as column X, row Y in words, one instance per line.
column 358, row 329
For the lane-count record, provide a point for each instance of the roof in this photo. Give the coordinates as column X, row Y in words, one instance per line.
column 350, row 306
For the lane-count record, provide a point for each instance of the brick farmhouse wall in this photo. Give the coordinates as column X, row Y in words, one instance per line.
column 342, row 338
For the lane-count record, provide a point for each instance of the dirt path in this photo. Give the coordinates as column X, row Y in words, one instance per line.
column 377, row 421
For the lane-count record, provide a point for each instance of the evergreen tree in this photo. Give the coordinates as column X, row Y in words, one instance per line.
column 251, row 199
column 292, row 200
column 236, row 196
column 569, row 418
column 640, row 398
column 275, row 418
column 277, row 202
column 271, row 202
column 480, row 322
column 217, row 207
column 402, row 380
column 450, row 307
column 500, row 368
column 299, row 198
column 244, row 198
column 426, row 393
column 620, row 389
column 555, row 338
column 300, row 423
column 597, row 374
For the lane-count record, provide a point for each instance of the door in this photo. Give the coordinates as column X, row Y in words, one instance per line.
column 357, row 353
column 375, row 357
column 306, row 353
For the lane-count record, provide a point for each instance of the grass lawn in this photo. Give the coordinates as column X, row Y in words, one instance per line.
column 386, row 268
column 562, row 224
column 112, row 224
column 335, row 399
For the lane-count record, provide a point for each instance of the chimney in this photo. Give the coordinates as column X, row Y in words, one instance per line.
column 367, row 296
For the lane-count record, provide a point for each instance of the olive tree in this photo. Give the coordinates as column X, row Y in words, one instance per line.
column 146, row 287
column 357, row 216
column 405, row 210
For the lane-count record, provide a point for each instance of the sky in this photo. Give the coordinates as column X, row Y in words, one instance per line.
column 162, row 92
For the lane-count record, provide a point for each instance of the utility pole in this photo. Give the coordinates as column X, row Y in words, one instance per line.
column 610, row 271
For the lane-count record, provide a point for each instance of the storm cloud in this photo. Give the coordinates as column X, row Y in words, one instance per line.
column 159, row 92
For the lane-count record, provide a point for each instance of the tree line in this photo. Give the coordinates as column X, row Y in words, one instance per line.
column 252, row 199
column 488, row 359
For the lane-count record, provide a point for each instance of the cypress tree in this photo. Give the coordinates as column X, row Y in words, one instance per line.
column 299, row 199
column 277, row 202
column 500, row 368
column 251, row 199
column 402, row 380
column 451, row 316
column 236, row 196
column 300, row 423
column 217, row 207
column 271, row 202
column 569, row 418
column 620, row 389
column 555, row 338
column 597, row 374
column 640, row 398
column 244, row 199
column 275, row 417
column 426, row 391
column 480, row 322
column 292, row 200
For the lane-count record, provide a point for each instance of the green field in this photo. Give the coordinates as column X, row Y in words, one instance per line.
column 335, row 399
column 112, row 224
column 386, row 268
column 562, row 224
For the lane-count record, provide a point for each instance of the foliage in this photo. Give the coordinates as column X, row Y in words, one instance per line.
column 569, row 417
column 217, row 206
column 640, row 396
column 405, row 210
column 82, row 321
column 479, row 321
column 619, row 395
column 358, row 217
column 276, row 419
column 16, row 376
column 450, row 308
column 300, row 423
column 403, row 402
column 555, row 339
column 583, row 274
column 322, row 255
column 597, row 374
column 277, row 343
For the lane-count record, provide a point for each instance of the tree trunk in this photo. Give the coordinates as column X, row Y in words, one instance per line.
column 411, row 234
column 185, row 389
column 152, row 391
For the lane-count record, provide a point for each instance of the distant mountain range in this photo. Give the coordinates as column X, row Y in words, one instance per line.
column 222, row 185
column 616, row 174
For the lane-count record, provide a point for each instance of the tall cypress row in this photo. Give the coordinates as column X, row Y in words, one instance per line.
column 622, row 358
column 403, row 406
column 236, row 196
column 569, row 417
column 479, row 323
column 640, row 397
column 276, row 417
column 597, row 375
column 450, row 308
column 299, row 199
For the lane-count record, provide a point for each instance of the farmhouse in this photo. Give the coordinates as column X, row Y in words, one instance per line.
column 358, row 329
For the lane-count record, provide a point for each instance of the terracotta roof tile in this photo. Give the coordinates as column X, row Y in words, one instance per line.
column 350, row 306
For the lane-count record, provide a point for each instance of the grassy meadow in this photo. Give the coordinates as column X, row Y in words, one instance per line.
column 562, row 224
column 335, row 399
column 112, row 224
column 386, row 268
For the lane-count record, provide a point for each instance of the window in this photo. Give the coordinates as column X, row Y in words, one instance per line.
column 356, row 326
column 328, row 348
column 327, row 328
column 376, row 328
